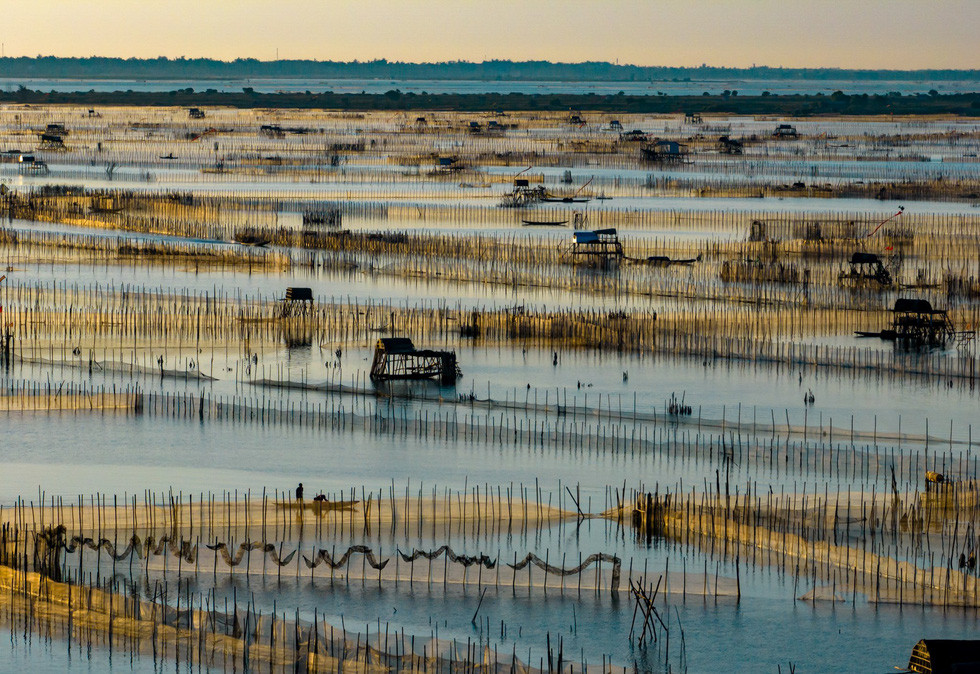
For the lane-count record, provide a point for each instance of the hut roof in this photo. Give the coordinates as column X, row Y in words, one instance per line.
column 864, row 258
column 396, row 345
column 910, row 306
column 945, row 656
column 597, row 236
column 299, row 294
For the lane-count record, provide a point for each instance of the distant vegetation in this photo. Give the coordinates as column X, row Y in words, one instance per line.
column 729, row 102
column 182, row 68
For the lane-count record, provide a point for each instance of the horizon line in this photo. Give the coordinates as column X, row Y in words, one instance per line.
column 383, row 60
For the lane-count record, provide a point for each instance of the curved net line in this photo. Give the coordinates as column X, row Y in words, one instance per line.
column 465, row 560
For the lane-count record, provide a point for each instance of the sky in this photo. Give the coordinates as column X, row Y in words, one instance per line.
column 898, row 34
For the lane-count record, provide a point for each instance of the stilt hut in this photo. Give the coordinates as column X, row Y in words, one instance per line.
column 867, row 267
column 51, row 141
column 785, row 131
column 597, row 246
column 729, row 145
column 28, row 164
column 634, row 136
column 449, row 164
column 397, row 358
column 297, row 302
column 664, row 152
column 916, row 323
column 523, row 195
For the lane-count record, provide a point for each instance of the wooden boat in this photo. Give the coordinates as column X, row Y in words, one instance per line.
column 889, row 335
column 544, row 223
column 666, row 261
column 319, row 506
column 566, row 200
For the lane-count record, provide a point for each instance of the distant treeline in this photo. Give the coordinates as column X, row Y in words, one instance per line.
column 728, row 102
column 97, row 67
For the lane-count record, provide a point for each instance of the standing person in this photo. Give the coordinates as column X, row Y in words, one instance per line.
column 299, row 492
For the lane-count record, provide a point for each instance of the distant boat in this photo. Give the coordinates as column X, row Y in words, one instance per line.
column 318, row 506
column 567, row 200
column 544, row 223
column 888, row 335
column 665, row 261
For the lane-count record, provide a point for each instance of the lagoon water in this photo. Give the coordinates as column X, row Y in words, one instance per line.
column 747, row 87
column 67, row 454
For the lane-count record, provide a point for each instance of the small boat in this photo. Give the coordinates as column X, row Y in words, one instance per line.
column 665, row 261
column 544, row 223
column 567, row 200
column 319, row 507
column 168, row 156
column 889, row 335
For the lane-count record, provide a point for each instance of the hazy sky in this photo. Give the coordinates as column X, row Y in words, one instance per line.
column 792, row 33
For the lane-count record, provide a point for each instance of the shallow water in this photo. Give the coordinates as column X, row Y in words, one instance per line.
column 717, row 631
column 747, row 87
column 33, row 653
column 715, row 389
column 65, row 454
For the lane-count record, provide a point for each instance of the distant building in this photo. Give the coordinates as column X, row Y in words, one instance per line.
column 664, row 151
column 634, row 136
column 785, row 131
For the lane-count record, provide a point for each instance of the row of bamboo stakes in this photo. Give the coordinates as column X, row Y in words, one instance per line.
column 59, row 317
column 205, row 212
column 178, row 627
column 142, row 144
column 932, row 256
column 793, row 534
column 788, row 454
column 707, row 178
column 906, row 545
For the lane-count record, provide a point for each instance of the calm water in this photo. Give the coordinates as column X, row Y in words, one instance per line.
column 67, row 454
column 765, row 628
column 746, row 87
column 411, row 193
column 716, row 389
column 19, row 653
